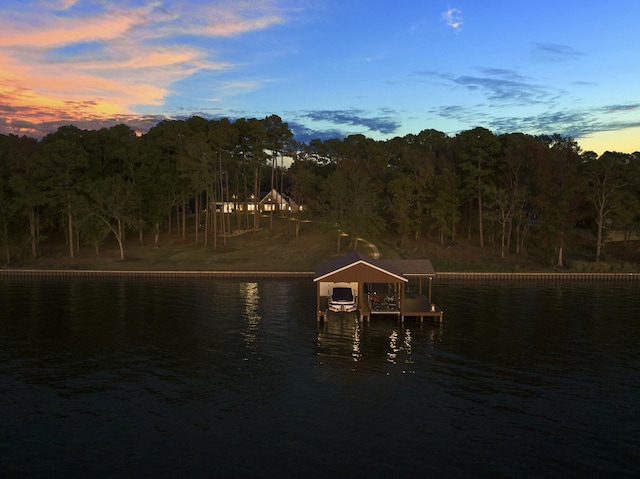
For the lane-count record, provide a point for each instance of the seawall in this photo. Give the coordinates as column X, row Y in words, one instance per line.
column 53, row 273
column 444, row 275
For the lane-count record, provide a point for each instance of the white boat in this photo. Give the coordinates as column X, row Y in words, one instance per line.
column 341, row 299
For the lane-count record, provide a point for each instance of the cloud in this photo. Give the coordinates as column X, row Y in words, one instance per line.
column 453, row 18
column 576, row 123
column 621, row 108
column 54, row 31
column 63, row 4
column 498, row 84
column 238, row 26
column 383, row 124
column 555, row 52
column 106, row 59
column 304, row 134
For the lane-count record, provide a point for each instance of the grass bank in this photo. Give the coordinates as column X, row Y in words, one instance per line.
column 278, row 249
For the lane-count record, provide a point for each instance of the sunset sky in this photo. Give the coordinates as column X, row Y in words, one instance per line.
column 327, row 67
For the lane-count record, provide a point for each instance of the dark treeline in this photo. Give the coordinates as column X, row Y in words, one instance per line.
column 510, row 189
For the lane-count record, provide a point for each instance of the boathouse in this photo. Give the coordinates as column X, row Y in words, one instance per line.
column 384, row 287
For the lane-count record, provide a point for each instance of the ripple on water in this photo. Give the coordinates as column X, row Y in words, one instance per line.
column 229, row 377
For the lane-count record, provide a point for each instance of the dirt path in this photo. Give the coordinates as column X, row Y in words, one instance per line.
column 375, row 253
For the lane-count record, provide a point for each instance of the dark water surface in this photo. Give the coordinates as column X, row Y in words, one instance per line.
column 220, row 378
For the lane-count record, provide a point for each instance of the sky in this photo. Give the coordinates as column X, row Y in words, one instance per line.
column 329, row 68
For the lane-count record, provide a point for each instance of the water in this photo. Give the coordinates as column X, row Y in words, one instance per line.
column 220, row 378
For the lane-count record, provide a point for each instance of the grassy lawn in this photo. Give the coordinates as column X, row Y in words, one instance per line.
column 278, row 249
column 267, row 249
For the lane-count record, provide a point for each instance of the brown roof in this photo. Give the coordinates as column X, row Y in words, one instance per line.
column 357, row 267
column 409, row 267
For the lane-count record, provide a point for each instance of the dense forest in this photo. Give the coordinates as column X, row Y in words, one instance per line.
column 508, row 190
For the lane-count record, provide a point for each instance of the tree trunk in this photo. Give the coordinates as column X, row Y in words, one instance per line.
column 228, row 203
column 560, row 263
column 70, row 231
column 221, row 186
column 197, row 220
column 273, row 172
column 184, row 221
column 480, row 218
column 119, row 236
column 32, row 230
column 256, row 193
column 600, row 224
column 206, row 217
column 7, row 250
column 214, row 224
column 221, row 217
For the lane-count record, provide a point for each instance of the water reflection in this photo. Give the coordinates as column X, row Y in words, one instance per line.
column 404, row 349
column 520, row 380
column 343, row 340
column 339, row 338
column 251, row 298
column 355, row 352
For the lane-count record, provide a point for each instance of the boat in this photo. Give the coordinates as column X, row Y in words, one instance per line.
column 341, row 299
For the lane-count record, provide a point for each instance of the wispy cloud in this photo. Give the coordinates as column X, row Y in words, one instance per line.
column 629, row 107
column 497, row 84
column 554, row 52
column 576, row 123
column 63, row 4
column 106, row 60
column 303, row 133
column 383, row 124
column 453, row 18
column 236, row 26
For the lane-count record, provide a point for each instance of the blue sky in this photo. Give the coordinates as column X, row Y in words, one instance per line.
column 381, row 68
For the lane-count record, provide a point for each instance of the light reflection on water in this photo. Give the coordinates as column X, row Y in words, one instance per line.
column 225, row 378
column 251, row 297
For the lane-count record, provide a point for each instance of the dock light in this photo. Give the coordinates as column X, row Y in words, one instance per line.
column 433, row 307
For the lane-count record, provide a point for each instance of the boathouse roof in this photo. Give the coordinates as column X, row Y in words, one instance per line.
column 354, row 266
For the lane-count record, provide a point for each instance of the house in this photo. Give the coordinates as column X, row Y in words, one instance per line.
column 274, row 201
column 270, row 201
column 381, row 287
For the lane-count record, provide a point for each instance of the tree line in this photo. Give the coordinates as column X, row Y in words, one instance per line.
column 508, row 189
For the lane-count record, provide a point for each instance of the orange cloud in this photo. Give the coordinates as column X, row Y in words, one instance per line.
column 237, row 26
column 57, row 32
column 34, row 107
column 100, row 65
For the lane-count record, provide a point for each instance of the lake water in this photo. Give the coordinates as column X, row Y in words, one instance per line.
column 222, row 378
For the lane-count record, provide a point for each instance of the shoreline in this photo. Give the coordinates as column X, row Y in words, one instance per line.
column 447, row 275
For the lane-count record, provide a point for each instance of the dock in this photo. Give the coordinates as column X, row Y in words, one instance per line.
column 416, row 308
column 384, row 288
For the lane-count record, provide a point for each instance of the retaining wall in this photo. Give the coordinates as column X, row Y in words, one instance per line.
column 632, row 276
column 44, row 273
column 541, row 276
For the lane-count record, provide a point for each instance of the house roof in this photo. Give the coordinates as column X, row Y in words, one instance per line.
column 274, row 197
column 356, row 267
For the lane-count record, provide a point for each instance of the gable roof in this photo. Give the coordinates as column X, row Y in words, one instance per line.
column 274, row 197
column 356, row 267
